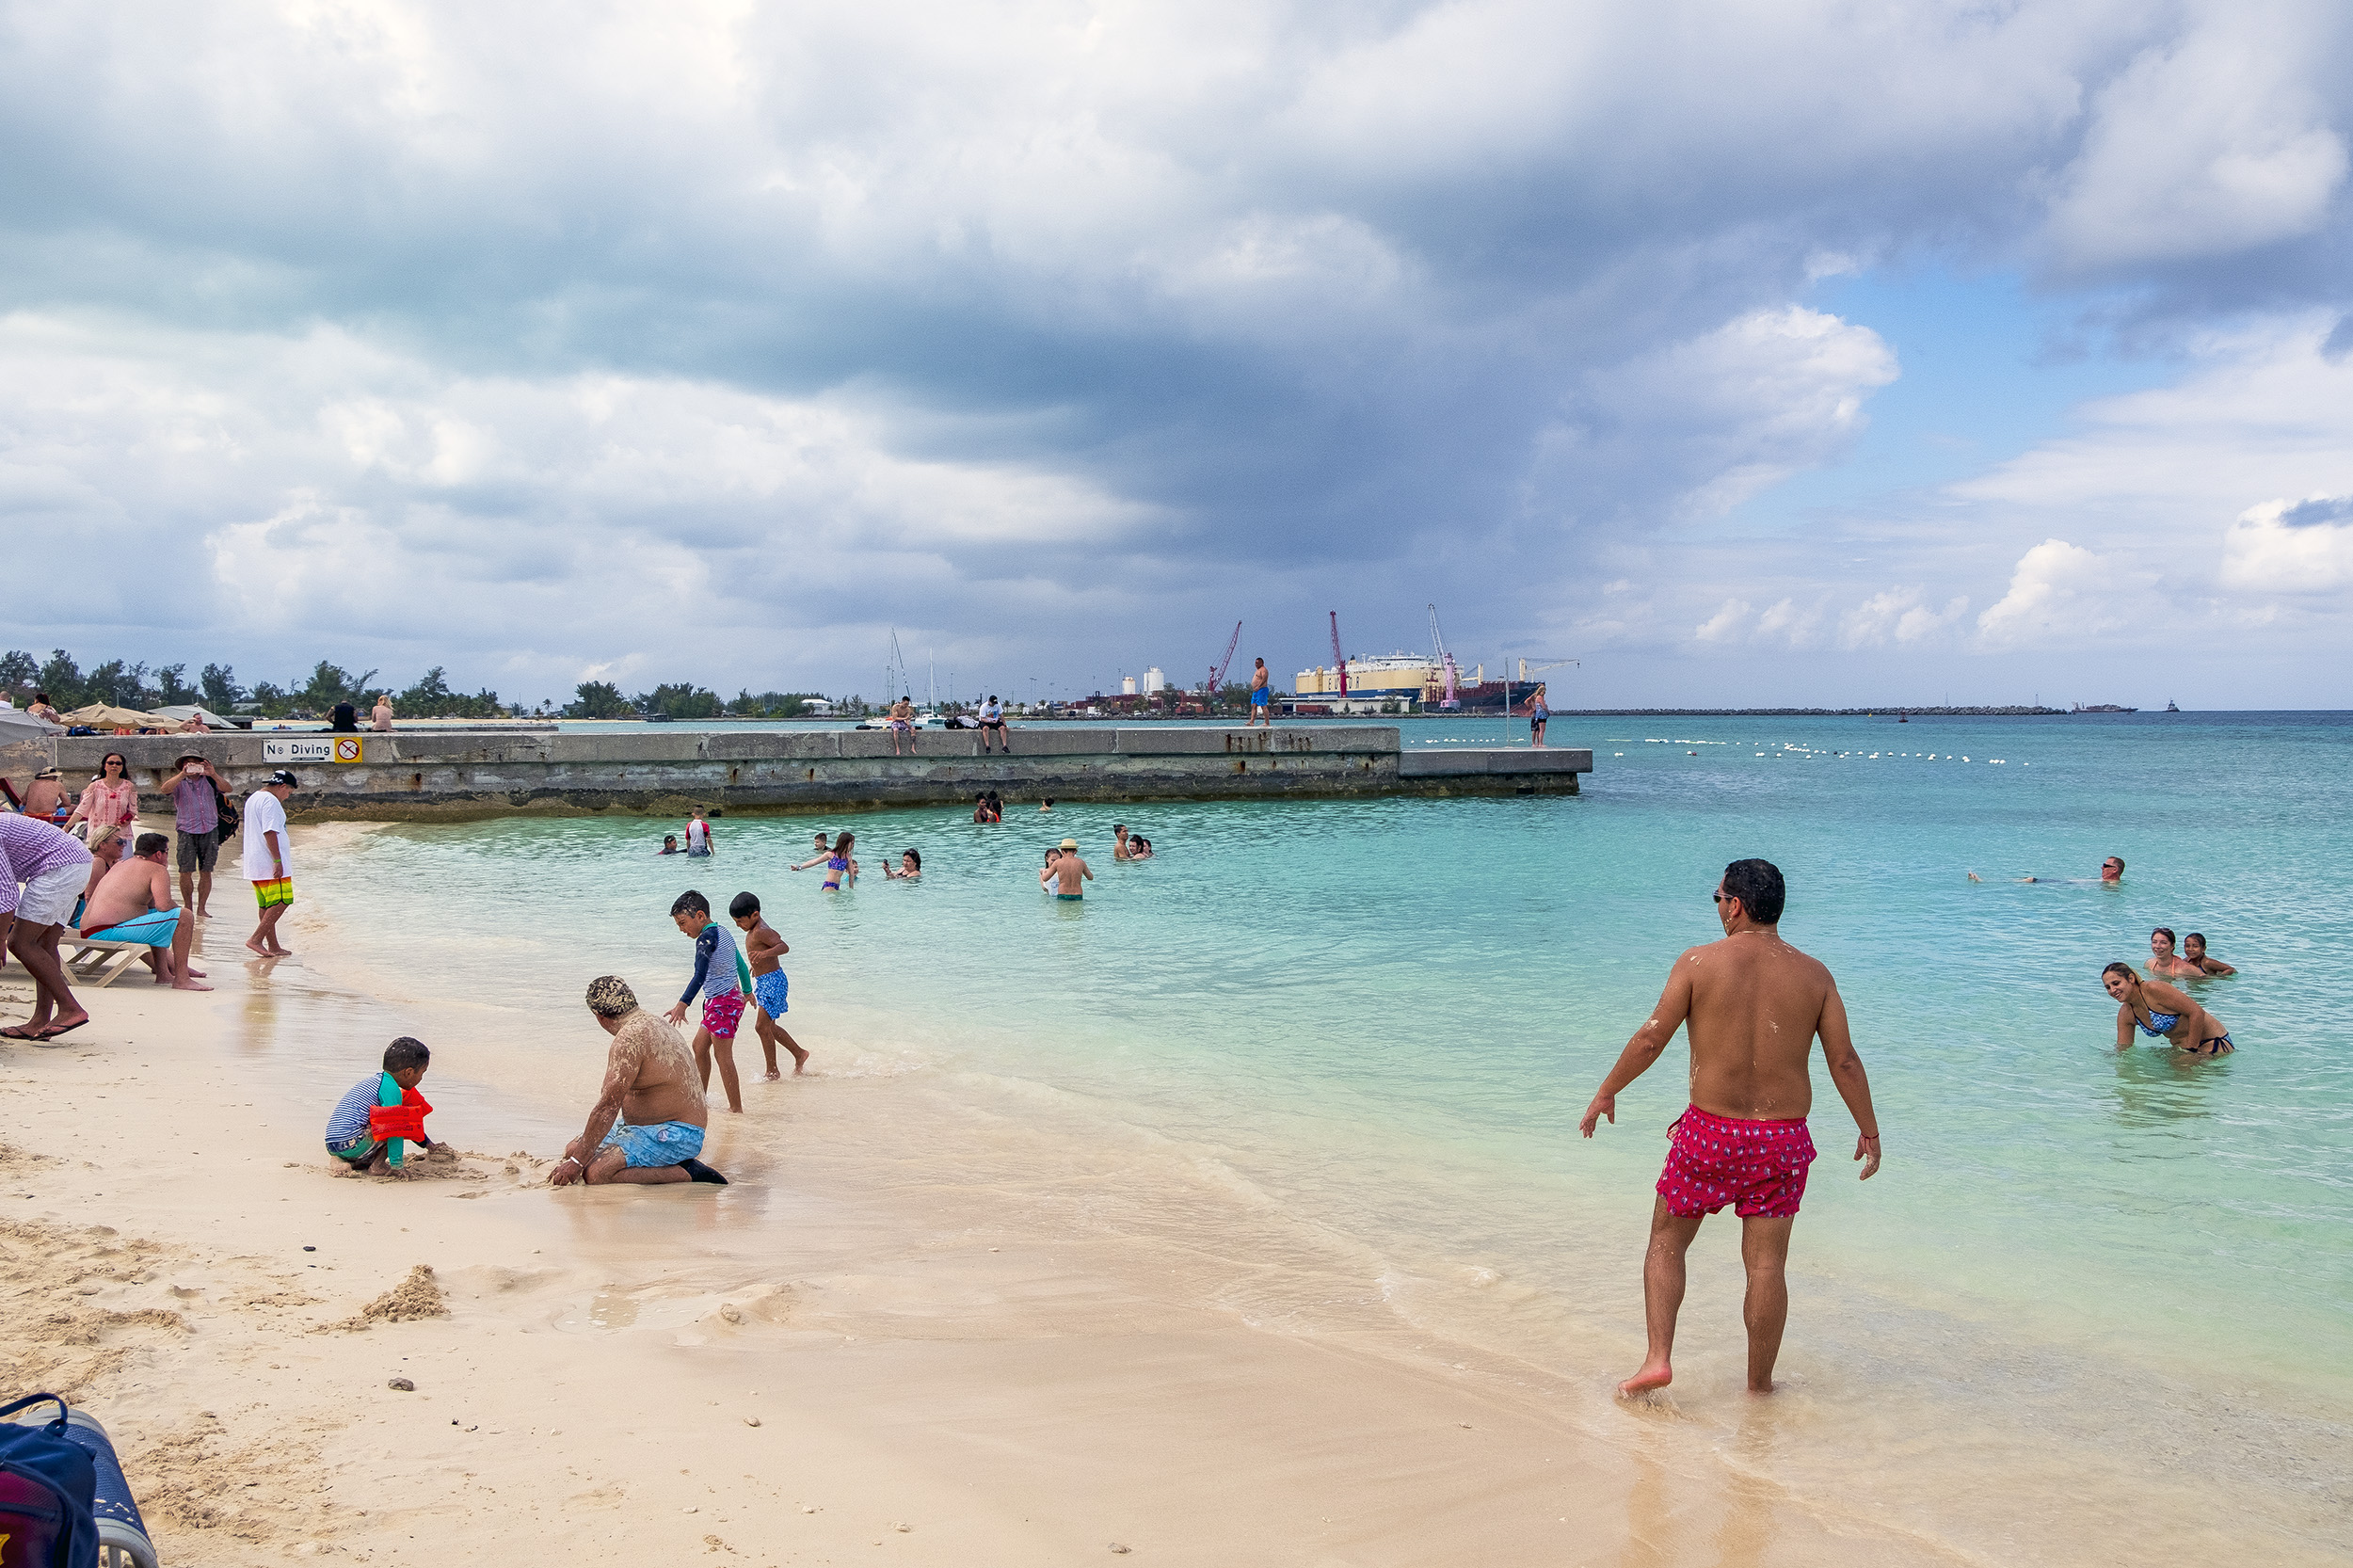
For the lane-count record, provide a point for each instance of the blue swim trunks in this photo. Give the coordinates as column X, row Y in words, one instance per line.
column 655, row 1143
column 768, row 990
column 1257, row 697
column 156, row 928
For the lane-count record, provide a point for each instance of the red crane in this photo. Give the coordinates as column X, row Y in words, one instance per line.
column 1338, row 661
column 1217, row 671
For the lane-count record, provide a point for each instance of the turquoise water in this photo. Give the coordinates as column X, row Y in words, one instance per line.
column 1386, row 1017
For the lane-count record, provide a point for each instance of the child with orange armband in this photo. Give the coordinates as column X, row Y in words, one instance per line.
column 383, row 1111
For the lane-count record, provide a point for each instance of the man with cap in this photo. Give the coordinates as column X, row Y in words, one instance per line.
column 195, row 817
column 1068, row 869
column 46, row 798
column 269, row 860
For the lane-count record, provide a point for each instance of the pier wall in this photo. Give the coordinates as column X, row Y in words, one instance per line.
column 444, row 774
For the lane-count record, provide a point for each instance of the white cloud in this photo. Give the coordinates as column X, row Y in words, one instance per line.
column 2210, row 144
column 2060, row 593
column 2292, row 548
column 1897, row 613
column 1727, row 623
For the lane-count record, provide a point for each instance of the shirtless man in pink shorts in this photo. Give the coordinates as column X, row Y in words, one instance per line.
column 1755, row 1004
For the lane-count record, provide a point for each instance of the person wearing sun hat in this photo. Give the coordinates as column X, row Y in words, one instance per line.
column 1071, row 871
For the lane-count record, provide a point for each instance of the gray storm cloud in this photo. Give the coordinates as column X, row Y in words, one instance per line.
column 713, row 339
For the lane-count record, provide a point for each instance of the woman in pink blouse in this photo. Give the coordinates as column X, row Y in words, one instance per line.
column 111, row 807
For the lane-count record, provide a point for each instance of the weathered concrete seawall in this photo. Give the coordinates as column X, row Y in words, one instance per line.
column 661, row 771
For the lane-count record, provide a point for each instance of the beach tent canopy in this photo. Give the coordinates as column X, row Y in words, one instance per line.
column 99, row 715
column 181, row 714
column 18, row 724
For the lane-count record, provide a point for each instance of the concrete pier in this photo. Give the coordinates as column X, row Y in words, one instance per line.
column 661, row 771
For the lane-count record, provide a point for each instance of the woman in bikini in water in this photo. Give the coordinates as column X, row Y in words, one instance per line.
column 2163, row 1012
column 839, row 866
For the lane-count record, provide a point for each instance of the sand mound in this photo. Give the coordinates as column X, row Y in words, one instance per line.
column 418, row 1296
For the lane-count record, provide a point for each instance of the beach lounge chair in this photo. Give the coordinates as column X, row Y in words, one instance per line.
column 95, row 965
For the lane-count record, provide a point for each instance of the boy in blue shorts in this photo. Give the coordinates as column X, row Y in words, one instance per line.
column 350, row 1137
column 764, row 947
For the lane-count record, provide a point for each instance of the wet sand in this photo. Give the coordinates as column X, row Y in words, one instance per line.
column 912, row 1329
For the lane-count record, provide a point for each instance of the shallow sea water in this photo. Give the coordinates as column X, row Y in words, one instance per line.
column 2094, row 1307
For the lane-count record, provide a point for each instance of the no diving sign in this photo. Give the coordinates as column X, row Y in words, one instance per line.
column 326, row 748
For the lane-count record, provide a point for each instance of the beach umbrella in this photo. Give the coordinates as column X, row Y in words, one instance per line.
column 99, row 715
column 17, row 725
column 180, row 713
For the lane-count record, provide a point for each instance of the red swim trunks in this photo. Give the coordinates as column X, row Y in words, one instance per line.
column 721, row 1013
column 1758, row 1167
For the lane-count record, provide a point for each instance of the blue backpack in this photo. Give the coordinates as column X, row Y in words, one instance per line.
column 48, row 1487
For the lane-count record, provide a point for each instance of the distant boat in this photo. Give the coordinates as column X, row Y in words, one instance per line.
column 2101, row 708
column 2172, row 706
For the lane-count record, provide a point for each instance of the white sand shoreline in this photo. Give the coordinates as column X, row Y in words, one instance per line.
column 1018, row 1376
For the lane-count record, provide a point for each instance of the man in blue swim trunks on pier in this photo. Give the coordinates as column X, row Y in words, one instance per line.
column 1261, row 698
column 132, row 904
column 647, row 1125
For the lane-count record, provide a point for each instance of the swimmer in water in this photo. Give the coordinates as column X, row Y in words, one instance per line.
column 1046, row 877
column 910, row 867
column 670, row 844
column 2194, row 949
column 1071, row 871
column 2163, row 1012
column 841, row 870
column 824, row 853
column 2163, row 962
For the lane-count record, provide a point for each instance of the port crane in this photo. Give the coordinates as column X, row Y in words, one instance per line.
column 1527, row 669
column 1446, row 661
column 1217, row 671
column 1339, row 661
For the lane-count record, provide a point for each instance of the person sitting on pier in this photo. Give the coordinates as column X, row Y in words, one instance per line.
column 2194, row 949
column 132, row 904
column 647, row 1124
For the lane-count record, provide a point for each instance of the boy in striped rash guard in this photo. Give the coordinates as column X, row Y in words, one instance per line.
column 348, row 1138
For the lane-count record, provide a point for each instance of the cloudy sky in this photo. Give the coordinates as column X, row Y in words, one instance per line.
column 1799, row 352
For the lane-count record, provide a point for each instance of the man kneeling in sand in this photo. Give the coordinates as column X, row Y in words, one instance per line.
column 132, row 904
column 651, row 1087
column 1755, row 1004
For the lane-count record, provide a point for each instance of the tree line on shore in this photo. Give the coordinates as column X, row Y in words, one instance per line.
column 138, row 685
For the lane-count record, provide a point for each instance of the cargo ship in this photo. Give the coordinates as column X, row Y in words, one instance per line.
column 2100, row 707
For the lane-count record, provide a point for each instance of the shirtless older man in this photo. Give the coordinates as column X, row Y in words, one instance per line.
column 1068, row 871
column 132, row 904
column 1755, row 1004
column 652, row 1088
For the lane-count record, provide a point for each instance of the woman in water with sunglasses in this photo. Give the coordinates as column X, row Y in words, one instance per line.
column 2163, row 1012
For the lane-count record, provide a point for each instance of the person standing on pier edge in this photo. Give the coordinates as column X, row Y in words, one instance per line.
column 1754, row 1005
column 1537, row 716
column 1260, row 697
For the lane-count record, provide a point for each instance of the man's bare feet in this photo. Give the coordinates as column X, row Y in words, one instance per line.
column 188, row 983
column 1654, row 1375
column 772, row 1076
column 257, row 950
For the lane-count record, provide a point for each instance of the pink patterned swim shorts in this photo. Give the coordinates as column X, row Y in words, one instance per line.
column 1712, row 1160
column 721, row 1013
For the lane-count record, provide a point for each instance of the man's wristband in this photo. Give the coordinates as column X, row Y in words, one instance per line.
column 1869, row 1137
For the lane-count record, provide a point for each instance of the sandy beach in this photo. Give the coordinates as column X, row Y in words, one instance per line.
column 1052, row 1358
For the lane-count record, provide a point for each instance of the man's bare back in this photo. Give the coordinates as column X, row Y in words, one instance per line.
column 1754, row 1005
column 1069, row 871
column 134, row 886
column 651, row 1074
